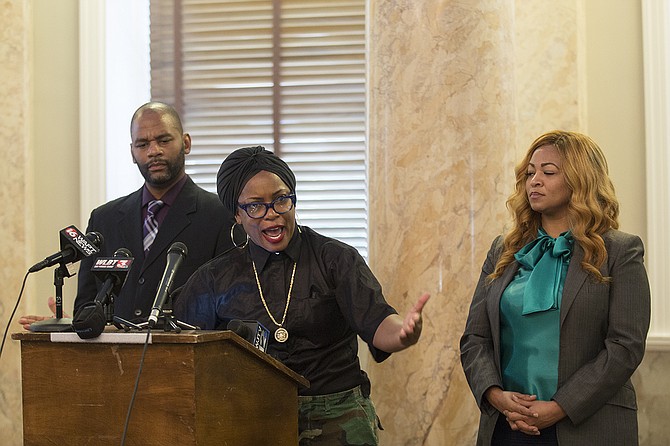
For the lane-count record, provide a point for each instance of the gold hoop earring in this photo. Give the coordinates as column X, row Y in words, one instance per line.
column 232, row 237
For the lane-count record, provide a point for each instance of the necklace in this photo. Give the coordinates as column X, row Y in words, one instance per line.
column 281, row 335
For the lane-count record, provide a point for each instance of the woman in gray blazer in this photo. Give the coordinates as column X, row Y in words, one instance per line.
column 560, row 315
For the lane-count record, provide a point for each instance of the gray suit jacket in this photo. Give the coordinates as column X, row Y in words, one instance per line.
column 603, row 332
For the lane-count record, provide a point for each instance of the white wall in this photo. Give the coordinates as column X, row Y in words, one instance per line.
column 55, row 136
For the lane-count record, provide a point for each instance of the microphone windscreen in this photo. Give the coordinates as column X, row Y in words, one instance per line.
column 95, row 238
column 123, row 252
column 178, row 248
column 89, row 321
column 241, row 329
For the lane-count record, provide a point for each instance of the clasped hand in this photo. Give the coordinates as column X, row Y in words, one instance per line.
column 524, row 412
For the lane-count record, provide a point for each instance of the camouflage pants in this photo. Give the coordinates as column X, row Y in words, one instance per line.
column 343, row 418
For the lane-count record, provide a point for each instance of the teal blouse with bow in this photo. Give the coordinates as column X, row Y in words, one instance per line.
column 530, row 316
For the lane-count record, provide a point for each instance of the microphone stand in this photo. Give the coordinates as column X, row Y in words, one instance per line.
column 125, row 324
column 107, row 302
column 60, row 323
column 169, row 322
column 165, row 317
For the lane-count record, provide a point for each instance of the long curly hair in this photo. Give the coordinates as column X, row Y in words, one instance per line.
column 593, row 208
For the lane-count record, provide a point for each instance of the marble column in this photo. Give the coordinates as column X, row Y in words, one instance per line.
column 653, row 398
column 458, row 90
column 16, row 214
column 441, row 157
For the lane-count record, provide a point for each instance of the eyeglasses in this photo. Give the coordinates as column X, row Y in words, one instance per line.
column 280, row 205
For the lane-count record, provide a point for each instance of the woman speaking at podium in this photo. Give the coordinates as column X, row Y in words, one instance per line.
column 314, row 293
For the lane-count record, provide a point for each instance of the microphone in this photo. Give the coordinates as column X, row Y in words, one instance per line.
column 252, row 331
column 112, row 272
column 175, row 256
column 89, row 321
column 74, row 246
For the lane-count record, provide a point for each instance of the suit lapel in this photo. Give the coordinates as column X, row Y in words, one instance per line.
column 175, row 222
column 573, row 280
column 498, row 286
column 130, row 218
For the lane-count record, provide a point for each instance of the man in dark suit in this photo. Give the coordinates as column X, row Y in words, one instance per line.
column 186, row 213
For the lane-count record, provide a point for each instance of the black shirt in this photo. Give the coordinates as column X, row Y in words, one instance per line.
column 335, row 297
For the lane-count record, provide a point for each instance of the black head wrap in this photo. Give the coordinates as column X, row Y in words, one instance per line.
column 241, row 165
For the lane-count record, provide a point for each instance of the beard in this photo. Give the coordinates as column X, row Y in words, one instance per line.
column 174, row 168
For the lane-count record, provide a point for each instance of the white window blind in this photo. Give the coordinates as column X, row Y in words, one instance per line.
column 288, row 75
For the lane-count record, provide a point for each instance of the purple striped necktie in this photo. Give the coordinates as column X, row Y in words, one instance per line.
column 151, row 224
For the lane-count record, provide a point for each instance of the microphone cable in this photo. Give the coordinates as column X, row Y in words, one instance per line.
column 4, row 336
column 137, row 384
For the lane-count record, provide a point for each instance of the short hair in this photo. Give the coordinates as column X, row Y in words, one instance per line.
column 161, row 108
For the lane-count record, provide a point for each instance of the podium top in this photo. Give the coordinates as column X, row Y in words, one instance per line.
column 115, row 336
column 112, row 335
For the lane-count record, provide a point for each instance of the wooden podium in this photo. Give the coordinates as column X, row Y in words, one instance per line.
column 195, row 388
